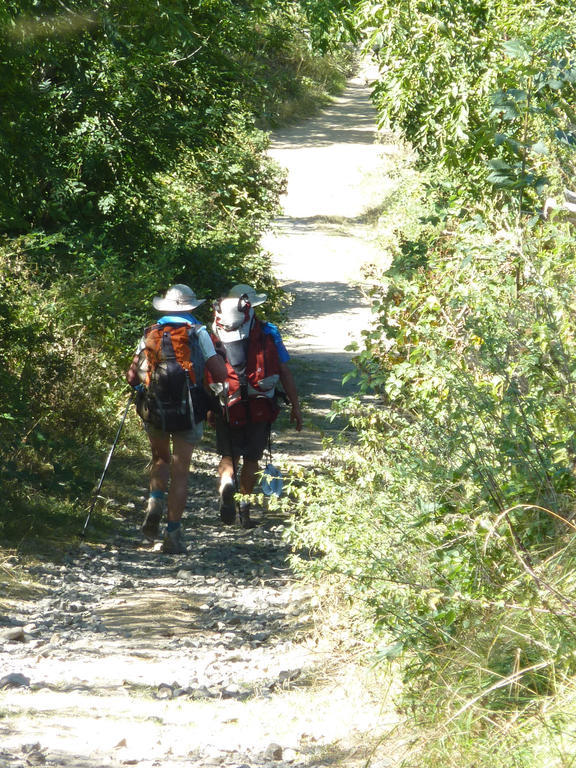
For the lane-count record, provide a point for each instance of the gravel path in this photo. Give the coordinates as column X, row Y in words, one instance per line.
column 124, row 656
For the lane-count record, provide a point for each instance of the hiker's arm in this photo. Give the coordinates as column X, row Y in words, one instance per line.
column 132, row 373
column 290, row 388
column 214, row 362
column 217, row 368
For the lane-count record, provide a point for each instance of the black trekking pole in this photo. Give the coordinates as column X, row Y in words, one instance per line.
column 107, row 464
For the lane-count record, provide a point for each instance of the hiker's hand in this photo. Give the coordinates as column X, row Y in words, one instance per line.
column 132, row 376
column 296, row 417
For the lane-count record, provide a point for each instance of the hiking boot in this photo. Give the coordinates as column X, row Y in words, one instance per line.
column 173, row 543
column 151, row 525
column 244, row 515
column 227, row 505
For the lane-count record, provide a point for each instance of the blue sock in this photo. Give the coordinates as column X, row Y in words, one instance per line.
column 157, row 495
column 172, row 526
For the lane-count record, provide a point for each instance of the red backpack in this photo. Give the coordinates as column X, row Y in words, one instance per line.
column 251, row 384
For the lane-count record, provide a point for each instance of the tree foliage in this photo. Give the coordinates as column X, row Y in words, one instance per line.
column 129, row 160
column 476, row 83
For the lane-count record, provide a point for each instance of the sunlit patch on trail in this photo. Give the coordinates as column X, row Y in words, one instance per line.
column 156, row 614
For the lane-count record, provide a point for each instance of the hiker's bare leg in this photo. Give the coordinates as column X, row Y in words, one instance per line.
column 248, row 476
column 179, row 470
column 160, row 469
column 226, row 470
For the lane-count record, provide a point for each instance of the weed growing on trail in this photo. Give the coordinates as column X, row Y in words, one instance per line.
column 15, row 584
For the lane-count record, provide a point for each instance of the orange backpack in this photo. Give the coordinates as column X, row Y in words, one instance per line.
column 171, row 364
column 162, row 341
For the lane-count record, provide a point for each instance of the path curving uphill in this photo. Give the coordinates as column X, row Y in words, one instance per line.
column 123, row 656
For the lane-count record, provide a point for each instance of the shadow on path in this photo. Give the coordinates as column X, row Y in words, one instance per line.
column 350, row 120
column 312, row 300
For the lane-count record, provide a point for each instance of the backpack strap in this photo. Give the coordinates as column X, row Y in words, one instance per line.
column 166, row 346
column 196, row 356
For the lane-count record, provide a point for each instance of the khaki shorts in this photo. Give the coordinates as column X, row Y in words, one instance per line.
column 192, row 436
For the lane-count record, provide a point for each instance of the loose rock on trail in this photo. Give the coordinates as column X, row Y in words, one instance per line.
column 121, row 655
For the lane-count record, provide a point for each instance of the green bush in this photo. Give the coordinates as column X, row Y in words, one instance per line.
column 129, row 161
column 447, row 520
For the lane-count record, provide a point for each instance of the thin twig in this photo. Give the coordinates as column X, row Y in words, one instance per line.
column 185, row 58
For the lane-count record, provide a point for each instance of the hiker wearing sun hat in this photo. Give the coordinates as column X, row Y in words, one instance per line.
column 256, row 361
column 168, row 369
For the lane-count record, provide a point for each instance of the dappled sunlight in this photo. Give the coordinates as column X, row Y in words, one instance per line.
column 128, row 656
column 351, row 119
column 337, row 187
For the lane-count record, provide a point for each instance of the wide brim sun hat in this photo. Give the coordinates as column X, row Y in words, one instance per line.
column 237, row 291
column 178, row 298
column 235, row 311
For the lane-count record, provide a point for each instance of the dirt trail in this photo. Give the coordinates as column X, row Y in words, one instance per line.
column 124, row 656
column 336, row 181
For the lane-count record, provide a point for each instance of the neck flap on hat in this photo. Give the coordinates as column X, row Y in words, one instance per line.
column 232, row 322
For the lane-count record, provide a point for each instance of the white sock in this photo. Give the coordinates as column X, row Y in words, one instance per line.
column 224, row 482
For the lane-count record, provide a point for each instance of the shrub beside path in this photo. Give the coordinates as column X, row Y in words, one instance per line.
column 120, row 655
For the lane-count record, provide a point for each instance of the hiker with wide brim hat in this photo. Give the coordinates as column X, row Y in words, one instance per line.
column 172, row 447
column 256, row 361
column 178, row 298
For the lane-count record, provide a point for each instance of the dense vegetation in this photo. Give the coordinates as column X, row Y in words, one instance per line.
column 132, row 156
column 451, row 526
column 130, row 159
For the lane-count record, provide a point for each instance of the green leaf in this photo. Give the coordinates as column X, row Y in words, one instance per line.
column 499, row 165
column 540, row 148
column 503, row 179
column 518, row 95
column 566, row 137
column 539, row 183
column 505, row 104
column 517, row 147
column 516, row 49
column 392, row 651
